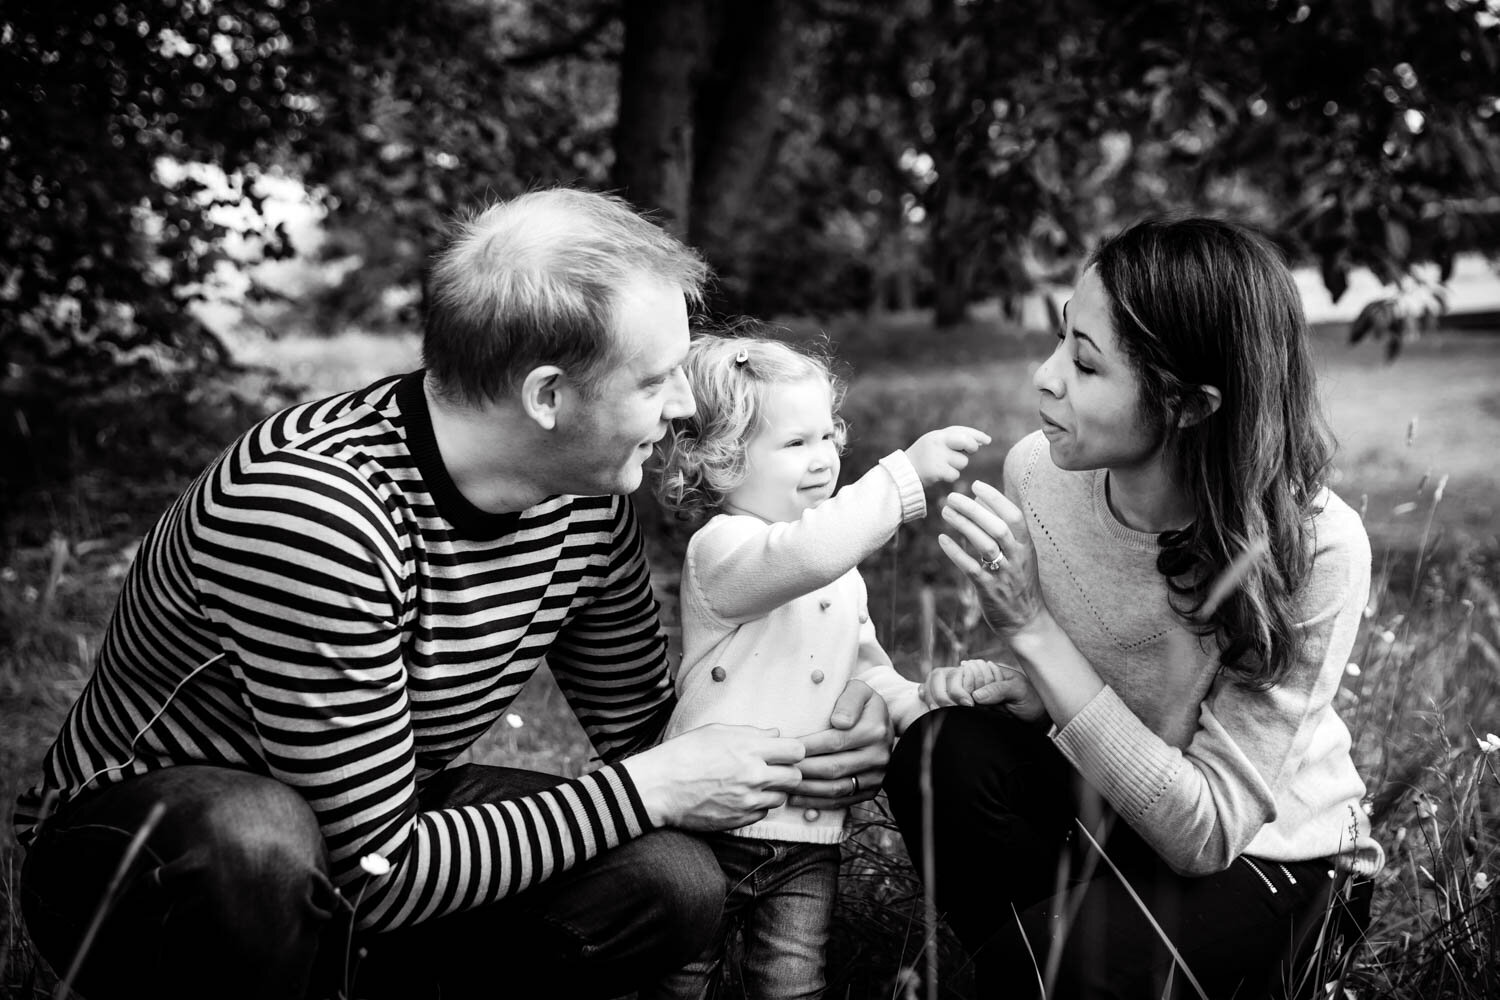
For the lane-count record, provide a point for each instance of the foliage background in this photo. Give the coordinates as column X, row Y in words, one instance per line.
column 209, row 208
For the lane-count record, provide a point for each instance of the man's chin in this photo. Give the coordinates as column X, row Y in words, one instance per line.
column 628, row 480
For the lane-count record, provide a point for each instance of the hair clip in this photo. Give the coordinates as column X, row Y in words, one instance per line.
column 742, row 357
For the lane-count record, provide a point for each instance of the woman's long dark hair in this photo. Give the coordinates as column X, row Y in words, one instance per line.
column 1199, row 302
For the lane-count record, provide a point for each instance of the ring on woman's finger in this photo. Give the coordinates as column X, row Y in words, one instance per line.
column 993, row 565
column 853, row 784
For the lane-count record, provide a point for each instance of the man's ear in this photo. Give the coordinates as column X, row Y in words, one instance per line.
column 1202, row 404
column 541, row 395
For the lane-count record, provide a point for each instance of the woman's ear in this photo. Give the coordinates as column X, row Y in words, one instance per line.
column 1203, row 402
column 541, row 395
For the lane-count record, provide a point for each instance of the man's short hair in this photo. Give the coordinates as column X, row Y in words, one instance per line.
column 535, row 281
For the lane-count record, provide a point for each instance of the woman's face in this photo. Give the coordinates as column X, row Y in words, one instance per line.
column 1090, row 395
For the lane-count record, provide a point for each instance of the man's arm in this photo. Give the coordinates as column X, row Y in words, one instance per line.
column 300, row 570
column 610, row 658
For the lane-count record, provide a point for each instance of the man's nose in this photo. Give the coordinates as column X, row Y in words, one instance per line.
column 680, row 402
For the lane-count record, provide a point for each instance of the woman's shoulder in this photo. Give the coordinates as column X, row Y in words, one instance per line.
column 1340, row 545
column 1337, row 526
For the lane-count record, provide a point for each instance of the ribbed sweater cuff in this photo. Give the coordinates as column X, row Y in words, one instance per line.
column 615, row 783
column 1117, row 754
column 908, row 485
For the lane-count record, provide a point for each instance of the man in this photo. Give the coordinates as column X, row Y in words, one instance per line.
column 349, row 597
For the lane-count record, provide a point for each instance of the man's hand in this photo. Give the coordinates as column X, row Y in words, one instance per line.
column 716, row 777
column 845, row 763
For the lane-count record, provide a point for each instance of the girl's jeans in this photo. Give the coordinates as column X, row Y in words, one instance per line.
column 781, row 894
column 231, row 898
column 1023, row 889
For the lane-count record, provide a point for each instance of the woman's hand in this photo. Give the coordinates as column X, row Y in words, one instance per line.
column 1010, row 594
column 845, row 763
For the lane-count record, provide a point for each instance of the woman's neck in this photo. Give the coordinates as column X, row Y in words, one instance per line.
column 1148, row 498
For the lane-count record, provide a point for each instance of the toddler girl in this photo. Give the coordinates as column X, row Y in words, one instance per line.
column 775, row 618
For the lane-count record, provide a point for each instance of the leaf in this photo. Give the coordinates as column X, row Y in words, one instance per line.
column 1397, row 240
column 1335, row 275
column 1374, row 320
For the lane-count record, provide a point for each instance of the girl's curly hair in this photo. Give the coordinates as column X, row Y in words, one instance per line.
column 703, row 456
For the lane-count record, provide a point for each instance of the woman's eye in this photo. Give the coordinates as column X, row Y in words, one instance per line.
column 1085, row 369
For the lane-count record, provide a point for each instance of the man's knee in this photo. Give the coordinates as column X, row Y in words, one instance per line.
column 682, row 889
column 260, row 829
column 231, row 883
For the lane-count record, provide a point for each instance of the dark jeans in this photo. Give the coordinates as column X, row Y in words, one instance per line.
column 781, row 898
column 230, row 898
column 1023, row 889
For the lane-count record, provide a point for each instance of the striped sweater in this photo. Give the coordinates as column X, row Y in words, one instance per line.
column 324, row 607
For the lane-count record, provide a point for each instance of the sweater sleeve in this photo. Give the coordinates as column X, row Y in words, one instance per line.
column 610, row 659
column 306, row 597
column 745, row 569
column 1201, row 806
column 902, row 697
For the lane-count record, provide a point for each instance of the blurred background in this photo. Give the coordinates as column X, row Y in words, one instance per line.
column 192, row 188
column 213, row 208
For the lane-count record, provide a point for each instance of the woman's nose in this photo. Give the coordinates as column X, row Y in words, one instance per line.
column 1046, row 379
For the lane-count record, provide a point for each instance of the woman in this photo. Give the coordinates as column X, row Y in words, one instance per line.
column 1181, row 593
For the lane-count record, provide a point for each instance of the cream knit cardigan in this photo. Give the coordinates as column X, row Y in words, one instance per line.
column 775, row 621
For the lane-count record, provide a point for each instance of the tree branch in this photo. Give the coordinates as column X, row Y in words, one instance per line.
column 574, row 44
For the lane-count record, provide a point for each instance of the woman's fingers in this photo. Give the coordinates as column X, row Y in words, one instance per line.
column 960, row 557
column 981, row 539
column 993, row 522
column 996, row 501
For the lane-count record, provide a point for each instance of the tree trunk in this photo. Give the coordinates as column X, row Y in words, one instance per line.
column 665, row 43
column 738, row 116
column 952, row 278
column 951, row 211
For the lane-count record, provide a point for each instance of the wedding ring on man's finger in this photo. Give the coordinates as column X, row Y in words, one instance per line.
column 993, row 565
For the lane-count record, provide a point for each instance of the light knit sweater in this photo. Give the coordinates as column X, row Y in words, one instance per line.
column 775, row 621
column 1202, row 768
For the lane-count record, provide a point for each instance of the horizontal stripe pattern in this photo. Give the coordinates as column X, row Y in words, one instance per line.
column 323, row 623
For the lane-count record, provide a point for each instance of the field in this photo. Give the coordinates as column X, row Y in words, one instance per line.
column 1418, row 455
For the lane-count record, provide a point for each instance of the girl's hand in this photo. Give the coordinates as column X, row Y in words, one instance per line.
column 939, row 456
column 1007, row 688
column 981, row 682
column 1010, row 593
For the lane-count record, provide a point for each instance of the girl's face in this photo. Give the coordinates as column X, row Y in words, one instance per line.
column 792, row 461
column 1090, row 395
